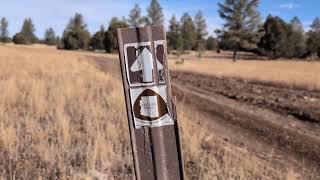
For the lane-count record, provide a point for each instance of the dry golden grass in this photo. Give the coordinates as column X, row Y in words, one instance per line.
column 62, row 118
column 291, row 73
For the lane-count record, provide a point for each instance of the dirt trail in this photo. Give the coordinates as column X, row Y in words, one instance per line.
column 278, row 125
column 301, row 104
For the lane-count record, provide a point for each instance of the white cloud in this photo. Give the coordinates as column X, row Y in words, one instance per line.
column 289, row 6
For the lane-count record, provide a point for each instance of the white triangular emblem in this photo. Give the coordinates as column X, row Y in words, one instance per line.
column 144, row 63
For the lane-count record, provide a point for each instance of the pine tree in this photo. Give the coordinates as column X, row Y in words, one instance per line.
column 135, row 18
column 27, row 33
column 110, row 41
column 97, row 39
column 313, row 41
column 76, row 35
column 296, row 24
column 241, row 26
column 315, row 26
column 275, row 42
column 4, row 33
column 155, row 15
column 50, row 37
column 201, row 28
column 188, row 32
column 174, row 34
column 211, row 43
column 296, row 43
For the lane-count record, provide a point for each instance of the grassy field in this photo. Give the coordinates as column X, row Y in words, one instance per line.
column 289, row 73
column 61, row 117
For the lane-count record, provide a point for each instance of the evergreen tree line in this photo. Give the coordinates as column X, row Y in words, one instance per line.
column 243, row 30
column 275, row 38
column 190, row 34
column 76, row 35
column 186, row 34
column 282, row 39
column 27, row 34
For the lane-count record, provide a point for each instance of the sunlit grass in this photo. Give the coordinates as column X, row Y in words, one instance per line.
column 61, row 117
column 288, row 73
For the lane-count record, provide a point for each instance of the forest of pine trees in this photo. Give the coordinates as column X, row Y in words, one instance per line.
column 243, row 30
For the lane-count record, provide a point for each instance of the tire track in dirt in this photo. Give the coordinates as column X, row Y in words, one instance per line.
column 254, row 125
column 301, row 104
column 263, row 125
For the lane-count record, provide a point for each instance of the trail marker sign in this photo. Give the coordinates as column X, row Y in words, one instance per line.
column 150, row 107
column 151, row 112
column 144, row 63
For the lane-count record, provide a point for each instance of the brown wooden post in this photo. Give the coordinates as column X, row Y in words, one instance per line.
column 151, row 110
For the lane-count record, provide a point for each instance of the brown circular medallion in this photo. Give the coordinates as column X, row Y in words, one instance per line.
column 162, row 106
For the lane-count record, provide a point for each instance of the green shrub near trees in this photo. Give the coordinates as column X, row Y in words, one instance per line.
column 50, row 37
column 20, row 39
column 212, row 43
column 27, row 33
column 97, row 40
column 75, row 36
column 275, row 39
column 110, row 41
column 283, row 39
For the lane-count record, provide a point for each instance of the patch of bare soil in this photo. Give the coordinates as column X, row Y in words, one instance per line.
column 275, row 123
column 107, row 65
column 301, row 104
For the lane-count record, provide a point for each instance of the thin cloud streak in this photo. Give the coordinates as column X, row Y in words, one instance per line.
column 289, row 6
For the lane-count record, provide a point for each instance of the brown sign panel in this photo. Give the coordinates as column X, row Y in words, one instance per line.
column 150, row 107
column 151, row 113
column 139, row 61
column 139, row 106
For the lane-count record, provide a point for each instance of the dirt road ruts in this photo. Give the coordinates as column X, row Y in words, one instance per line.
column 264, row 125
column 301, row 104
column 257, row 117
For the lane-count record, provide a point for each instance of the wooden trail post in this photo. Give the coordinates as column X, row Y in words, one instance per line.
column 151, row 111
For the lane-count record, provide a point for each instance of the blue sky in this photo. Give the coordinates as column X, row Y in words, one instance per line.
column 56, row 13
